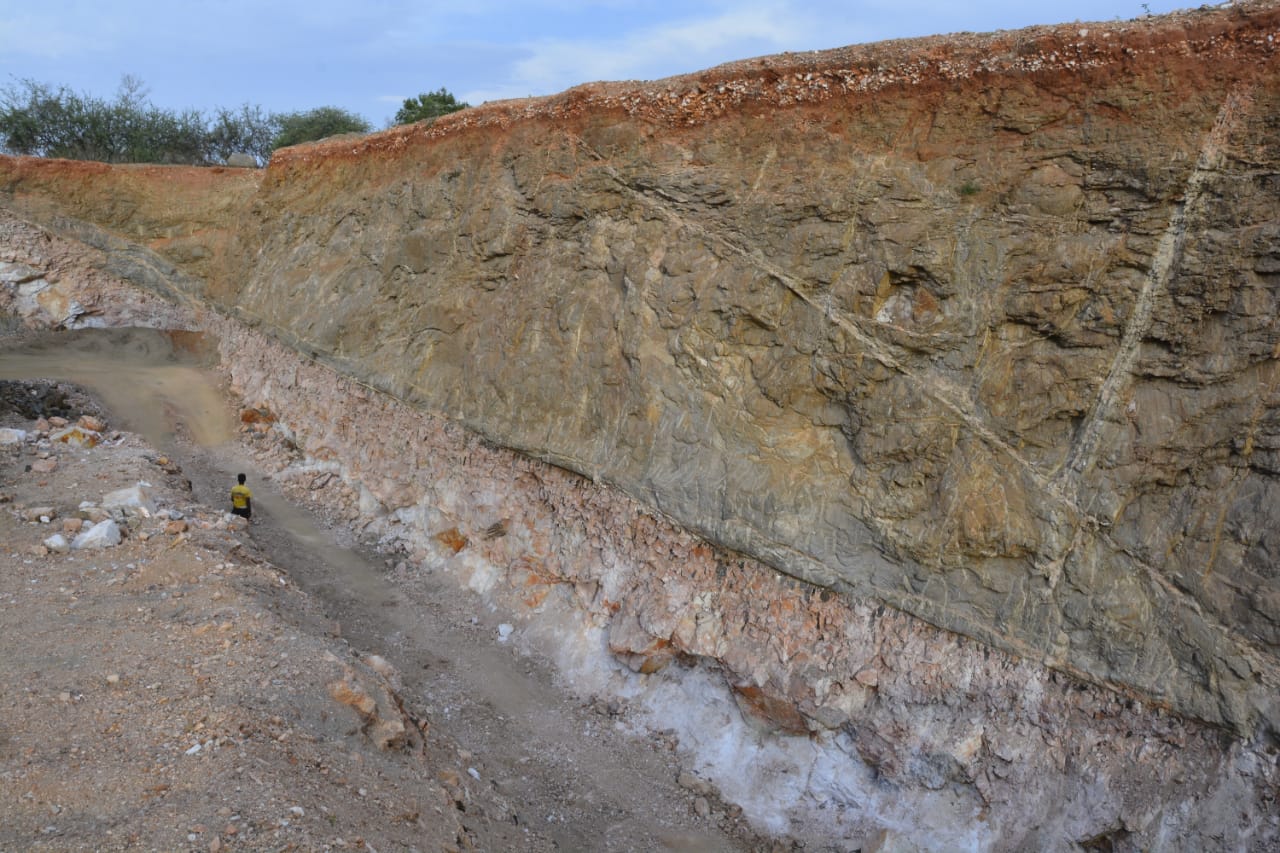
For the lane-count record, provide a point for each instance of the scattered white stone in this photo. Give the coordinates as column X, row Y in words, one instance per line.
column 473, row 773
column 299, row 811
column 504, row 632
column 194, row 749
column 12, row 436
column 104, row 534
column 58, row 544
column 134, row 497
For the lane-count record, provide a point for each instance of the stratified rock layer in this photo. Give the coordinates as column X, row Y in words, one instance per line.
column 981, row 327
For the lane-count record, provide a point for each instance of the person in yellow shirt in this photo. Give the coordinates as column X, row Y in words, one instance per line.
column 241, row 498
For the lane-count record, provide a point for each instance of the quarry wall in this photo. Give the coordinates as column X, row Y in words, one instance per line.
column 981, row 328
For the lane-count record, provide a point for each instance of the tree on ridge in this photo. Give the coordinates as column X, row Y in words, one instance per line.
column 429, row 106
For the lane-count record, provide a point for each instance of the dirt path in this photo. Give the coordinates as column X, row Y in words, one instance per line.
column 561, row 772
column 528, row 765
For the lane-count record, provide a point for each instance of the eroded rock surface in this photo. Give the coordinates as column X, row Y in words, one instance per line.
column 989, row 339
column 981, row 328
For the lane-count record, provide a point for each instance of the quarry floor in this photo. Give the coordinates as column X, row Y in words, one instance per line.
column 206, row 685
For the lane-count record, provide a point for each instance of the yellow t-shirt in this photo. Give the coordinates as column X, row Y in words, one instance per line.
column 240, row 496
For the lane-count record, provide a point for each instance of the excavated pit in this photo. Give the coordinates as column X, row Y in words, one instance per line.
column 881, row 422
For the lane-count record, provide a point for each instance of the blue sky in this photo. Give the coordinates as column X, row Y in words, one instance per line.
column 366, row 56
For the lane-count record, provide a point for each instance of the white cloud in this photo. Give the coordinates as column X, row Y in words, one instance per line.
column 685, row 45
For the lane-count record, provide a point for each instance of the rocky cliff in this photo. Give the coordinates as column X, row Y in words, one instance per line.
column 982, row 328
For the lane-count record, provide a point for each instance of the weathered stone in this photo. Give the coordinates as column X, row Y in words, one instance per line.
column 637, row 647
column 75, row 435
column 91, row 423
column 93, row 513
column 452, row 539
column 773, row 711
column 692, row 782
column 43, row 514
column 57, row 543
column 44, row 466
column 12, row 436
column 134, row 499
column 376, row 704
column 104, row 534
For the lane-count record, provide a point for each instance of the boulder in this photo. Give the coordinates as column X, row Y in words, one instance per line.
column 57, row 544
column 104, row 534
column 135, row 500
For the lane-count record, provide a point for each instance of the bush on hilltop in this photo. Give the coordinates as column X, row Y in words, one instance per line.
column 428, row 105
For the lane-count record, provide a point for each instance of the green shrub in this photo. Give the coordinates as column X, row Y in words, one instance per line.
column 428, row 106
column 321, row 122
column 46, row 121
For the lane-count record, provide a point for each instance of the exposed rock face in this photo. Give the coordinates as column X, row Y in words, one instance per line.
column 982, row 328
column 898, row 723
